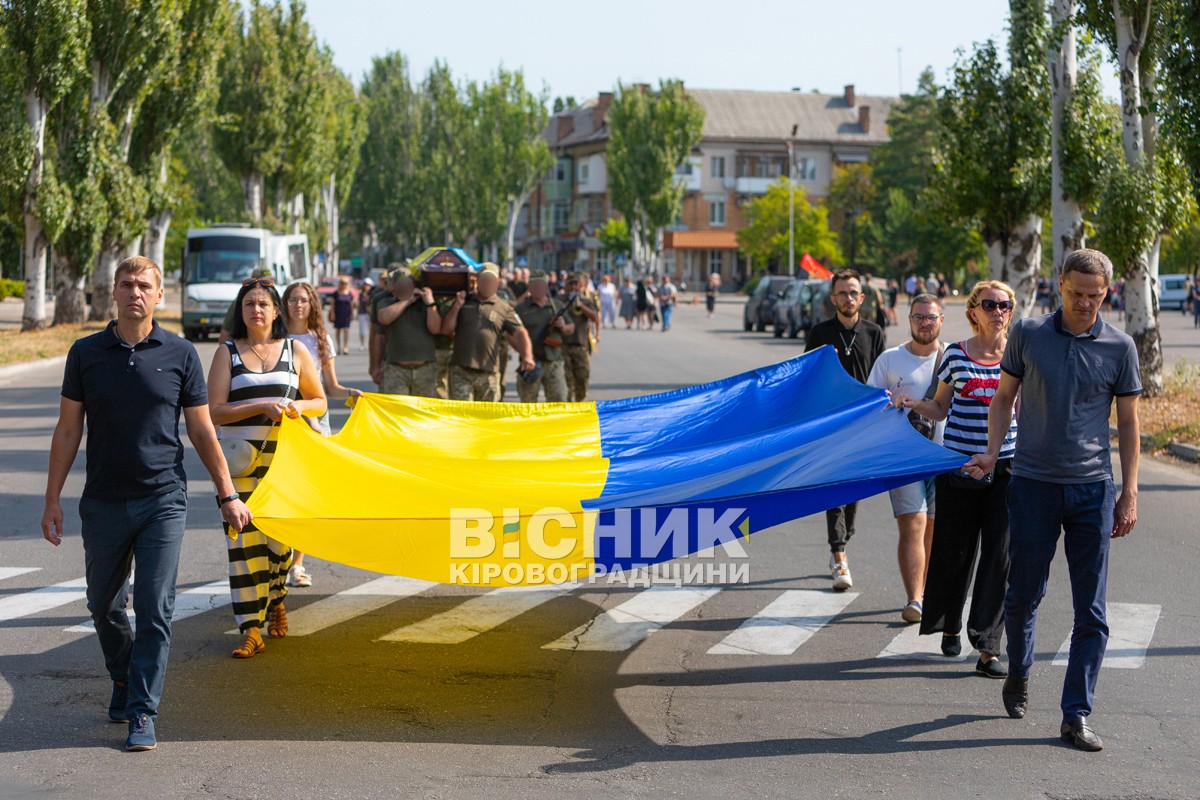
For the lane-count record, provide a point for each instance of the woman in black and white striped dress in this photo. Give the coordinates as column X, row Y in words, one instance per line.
column 256, row 379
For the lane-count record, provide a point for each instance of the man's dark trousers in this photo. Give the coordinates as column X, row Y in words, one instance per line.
column 1037, row 512
column 146, row 531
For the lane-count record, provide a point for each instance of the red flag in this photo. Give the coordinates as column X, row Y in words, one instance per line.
column 814, row 268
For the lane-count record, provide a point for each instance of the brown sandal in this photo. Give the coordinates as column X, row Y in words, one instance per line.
column 252, row 644
column 279, row 622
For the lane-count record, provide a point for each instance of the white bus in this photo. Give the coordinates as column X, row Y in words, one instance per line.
column 217, row 259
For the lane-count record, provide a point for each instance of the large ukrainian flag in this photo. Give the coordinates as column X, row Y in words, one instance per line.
column 503, row 493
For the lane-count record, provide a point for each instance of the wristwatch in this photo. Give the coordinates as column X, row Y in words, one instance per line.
column 223, row 500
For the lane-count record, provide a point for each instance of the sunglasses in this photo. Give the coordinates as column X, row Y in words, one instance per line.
column 992, row 305
column 259, row 283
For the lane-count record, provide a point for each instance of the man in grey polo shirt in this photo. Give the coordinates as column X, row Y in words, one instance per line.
column 1069, row 367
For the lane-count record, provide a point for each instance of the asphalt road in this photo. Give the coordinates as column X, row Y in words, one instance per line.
column 474, row 694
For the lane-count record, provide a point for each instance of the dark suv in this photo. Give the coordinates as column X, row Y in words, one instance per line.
column 760, row 306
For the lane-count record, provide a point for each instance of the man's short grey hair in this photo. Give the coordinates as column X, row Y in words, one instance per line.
column 1088, row 262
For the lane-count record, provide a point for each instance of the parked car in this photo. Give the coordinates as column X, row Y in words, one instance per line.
column 805, row 303
column 1172, row 291
column 760, row 305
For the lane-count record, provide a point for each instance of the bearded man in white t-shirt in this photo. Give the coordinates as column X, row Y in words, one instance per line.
column 908, row 370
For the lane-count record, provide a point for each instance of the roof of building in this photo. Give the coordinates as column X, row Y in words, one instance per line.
column 745, row 115
column 737, row 114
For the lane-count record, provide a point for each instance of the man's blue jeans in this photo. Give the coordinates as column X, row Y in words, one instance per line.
column 147, row 531
column 1038, row 512
column 667, row 311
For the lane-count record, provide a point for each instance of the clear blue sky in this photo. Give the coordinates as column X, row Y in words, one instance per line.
column 580, row 48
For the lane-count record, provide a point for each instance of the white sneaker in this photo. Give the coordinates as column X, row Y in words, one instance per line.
column 841, row 575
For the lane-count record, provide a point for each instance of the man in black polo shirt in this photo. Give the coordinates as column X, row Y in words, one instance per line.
column 129, row 383
column 858, row 343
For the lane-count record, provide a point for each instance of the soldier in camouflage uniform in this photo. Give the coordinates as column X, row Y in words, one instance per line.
column 536, row 312
column 577, row 347
column 408, row 318
column 481, row 324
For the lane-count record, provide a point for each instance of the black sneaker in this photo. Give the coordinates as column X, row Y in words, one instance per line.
column 120, row 699
column 141, row 734
column 951, row 645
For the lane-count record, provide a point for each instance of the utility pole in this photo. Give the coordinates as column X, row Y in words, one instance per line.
column 791, row 205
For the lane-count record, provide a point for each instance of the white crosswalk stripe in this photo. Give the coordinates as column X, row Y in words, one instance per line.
column 628, row 624
column 44, row 599
column 911, row 644
column 784, row 624
column 476, row 615
column 12, row 572
column 345, row 606
column 188, row 603
column 1130, row 629
column 787, row 622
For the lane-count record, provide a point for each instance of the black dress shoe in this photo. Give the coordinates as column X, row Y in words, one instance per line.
column 1015, row 695
column 1076, row 731
column 991, row 669
column 951, row 645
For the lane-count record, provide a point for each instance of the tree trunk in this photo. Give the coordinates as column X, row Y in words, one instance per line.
column 332, row 223
column 1066, row 217
column 1014, row 257
column 69, row 306
column 156, row 238
column 295, row 212
column 102, row 282
column 253, row 186
column 1140, row 295
column 33, row 316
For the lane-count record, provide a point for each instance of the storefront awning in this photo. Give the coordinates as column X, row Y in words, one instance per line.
column 700, row 240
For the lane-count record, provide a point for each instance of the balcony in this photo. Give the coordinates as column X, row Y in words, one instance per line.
column 753, row 185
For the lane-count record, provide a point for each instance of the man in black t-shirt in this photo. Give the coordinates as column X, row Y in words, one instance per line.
column 858, row 343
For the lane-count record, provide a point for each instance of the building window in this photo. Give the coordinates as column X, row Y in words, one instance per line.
column 562, row 217
column 602, row 261
column 806, row 169
column 717, row 166
column 715, row 259
column 583, row 172
column 560, row 170
column 716, row 212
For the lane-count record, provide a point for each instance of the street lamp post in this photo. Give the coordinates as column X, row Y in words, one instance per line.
column 791, row 205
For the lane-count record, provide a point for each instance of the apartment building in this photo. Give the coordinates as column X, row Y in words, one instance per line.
column 743, row 149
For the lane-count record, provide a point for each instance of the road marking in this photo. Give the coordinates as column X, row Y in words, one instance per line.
column 188, row 603
column 910, row 644
column 44, row 599
column 1130, row 629
column 784, row 624
column 477, row 615
column 12, row 572
column 344, row 606
column 626, row 625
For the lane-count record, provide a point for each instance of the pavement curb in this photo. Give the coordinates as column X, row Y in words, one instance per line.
column 1188, row 452
column 13, row 370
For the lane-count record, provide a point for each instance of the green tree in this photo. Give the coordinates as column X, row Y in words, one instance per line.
column 1148, row 192
column 765, row 238
column 345, row 130
column 182, row 99
column 904, row 231
column 46, row 44
column 1180, row 81
column 614, row 236
column 650, row 134
column 851, row 194
column 993, row 157
column 387, row 201
column 251, row 133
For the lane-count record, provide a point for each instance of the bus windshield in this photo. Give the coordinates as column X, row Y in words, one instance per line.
column 221, row 259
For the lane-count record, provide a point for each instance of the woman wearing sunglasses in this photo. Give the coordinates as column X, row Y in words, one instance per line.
column 255, row 379
column 972, row 515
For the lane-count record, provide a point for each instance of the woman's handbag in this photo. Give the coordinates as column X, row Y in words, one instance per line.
column 244, row 458
column 924, row 425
